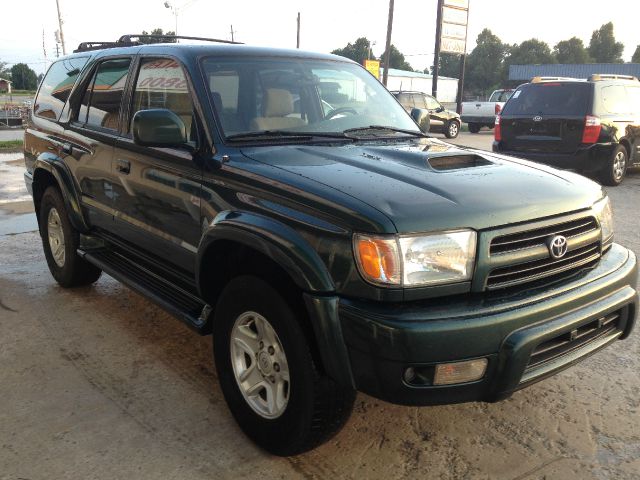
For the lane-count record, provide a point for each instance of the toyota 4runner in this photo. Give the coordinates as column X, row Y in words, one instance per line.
column 285, row 202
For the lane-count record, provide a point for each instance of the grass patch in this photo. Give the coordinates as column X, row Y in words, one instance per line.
column 10, row 144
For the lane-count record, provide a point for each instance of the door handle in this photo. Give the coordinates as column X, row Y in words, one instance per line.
column 67, row 148
column 123, row 166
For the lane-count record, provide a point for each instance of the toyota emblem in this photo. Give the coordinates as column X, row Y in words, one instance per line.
column 557, row 246
column 537, row 118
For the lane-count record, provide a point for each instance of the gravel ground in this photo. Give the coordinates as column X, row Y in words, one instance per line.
column 99, row 383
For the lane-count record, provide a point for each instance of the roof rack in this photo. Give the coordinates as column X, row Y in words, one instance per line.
column 127, row 41
column 552, row 79
column 611, row 76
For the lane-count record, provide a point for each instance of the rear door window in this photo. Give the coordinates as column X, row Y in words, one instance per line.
column 554, row 98
column 419, row 101
column 405, row 100
column 56, row 87
column 107, row 89
column 615, row 99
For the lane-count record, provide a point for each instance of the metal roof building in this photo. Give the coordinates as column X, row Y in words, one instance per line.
column 527, row 72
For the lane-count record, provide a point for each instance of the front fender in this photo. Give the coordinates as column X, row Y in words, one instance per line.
column 70, row 192
column 274, row 239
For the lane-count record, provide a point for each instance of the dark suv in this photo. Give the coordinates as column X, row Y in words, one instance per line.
column 285, row 202
column 441, row 120
column 592, row 127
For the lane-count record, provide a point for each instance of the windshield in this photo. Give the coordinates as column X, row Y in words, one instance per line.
column 253, row 95
column 501, row 95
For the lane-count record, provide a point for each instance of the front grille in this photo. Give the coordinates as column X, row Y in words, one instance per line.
column 523, row 257
column 552, row 349
column 531, row 238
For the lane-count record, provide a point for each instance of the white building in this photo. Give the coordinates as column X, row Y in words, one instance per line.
column 421, row 82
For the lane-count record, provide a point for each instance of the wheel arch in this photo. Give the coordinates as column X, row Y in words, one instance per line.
column 48, row 171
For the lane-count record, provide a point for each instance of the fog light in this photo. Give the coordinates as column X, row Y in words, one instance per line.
column 409, row 375
column 460, row 372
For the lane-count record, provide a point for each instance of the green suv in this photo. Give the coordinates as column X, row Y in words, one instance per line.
column 285, row 202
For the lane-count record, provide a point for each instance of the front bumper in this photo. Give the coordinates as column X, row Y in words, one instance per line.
column 587, row 158
column 383, row 340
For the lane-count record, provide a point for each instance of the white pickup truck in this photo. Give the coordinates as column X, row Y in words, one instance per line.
column 481, row 114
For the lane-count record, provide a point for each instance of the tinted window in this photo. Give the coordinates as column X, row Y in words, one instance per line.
column 615, row 99
column 161, row 83
column 56, row 87
column 571, row 99
column 634, row 100
column 106, row 95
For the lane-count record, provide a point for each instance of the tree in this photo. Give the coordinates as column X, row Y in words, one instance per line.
column 23, row 77
column 530, row 52
column 636, row 55
column 357, row 51
column 5, row 72
column 449, row 65
column 396, row 59
column 603, row 47
column 485, row 63
column 157, row 31
column 571, row 51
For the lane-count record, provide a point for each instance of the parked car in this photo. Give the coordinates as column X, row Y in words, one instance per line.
column 328, row 251
column 441, row 120
column 483, row 114
column 592, row 126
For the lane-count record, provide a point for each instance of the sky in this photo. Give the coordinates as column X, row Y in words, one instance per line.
column 325, row 25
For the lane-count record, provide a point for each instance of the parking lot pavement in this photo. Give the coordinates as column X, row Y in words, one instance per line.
column 97, row 382
column 481, row 140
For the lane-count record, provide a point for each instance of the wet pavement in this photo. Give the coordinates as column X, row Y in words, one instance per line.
column 97, row 382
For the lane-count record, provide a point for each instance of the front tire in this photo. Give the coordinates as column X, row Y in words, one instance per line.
column 474, row 127
column 60, row 243
column 269, row 378
column 452, row 130
column 615, row 167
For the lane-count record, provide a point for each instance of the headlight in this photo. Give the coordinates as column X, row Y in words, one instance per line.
column 603, row 212
column 417, row 260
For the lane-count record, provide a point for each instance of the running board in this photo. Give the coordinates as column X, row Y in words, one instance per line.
column 189, row 308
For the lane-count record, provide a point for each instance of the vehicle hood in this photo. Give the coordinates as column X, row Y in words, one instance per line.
column 429, row 185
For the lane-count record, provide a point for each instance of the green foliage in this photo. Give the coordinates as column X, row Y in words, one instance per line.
column 10, row 144
column 571, row 51
column 603, row 47
column 5, row 72
column 23, row 77
column 157, row 31
column 636, row 55
column 357, row 51
column 396, row 59
column 449, row 65
column 530, row 52
column 485, row 63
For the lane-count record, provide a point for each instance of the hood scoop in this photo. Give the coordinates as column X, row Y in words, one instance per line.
column 457, row 162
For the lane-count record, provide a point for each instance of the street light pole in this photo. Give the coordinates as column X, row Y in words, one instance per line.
column 64, row 48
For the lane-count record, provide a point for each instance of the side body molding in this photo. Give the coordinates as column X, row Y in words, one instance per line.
column 70, row 191
column 274, row 239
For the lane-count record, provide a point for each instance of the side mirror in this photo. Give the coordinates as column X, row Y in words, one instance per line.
column 158, row 127
column 421, row 117
column 440, row 109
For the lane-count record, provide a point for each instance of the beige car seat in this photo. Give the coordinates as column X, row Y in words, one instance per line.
column 278, row 104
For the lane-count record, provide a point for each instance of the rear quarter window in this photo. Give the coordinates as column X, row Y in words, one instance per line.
column 570, row 99
column 615, row 99
column 56, row 87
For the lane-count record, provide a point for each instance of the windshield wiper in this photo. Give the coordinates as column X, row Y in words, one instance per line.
column 287, row 134
column 386, row 128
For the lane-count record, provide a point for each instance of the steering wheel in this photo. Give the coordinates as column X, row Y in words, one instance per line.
column 338, row 111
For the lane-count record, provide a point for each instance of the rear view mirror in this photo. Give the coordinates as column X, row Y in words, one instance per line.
column 158, row 127
column 421, row 117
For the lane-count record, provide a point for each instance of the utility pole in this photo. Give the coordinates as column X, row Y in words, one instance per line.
column 387, row 53
column 298, row 32
column 232, row 32
column 64, row 48
column 436, row 56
